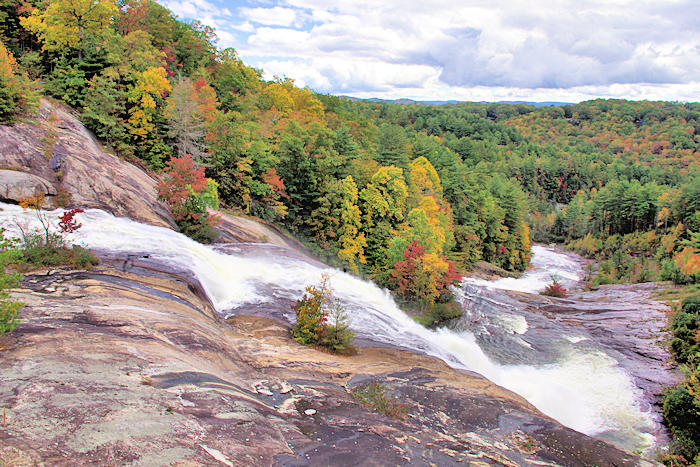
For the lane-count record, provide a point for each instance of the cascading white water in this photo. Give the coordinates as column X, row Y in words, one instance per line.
column 545, row 265
column 586, row 391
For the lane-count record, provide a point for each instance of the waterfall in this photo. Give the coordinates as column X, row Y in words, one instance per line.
column 544, row 266
column 584, row 389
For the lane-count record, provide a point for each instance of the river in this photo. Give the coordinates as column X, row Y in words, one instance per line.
column 562, row 372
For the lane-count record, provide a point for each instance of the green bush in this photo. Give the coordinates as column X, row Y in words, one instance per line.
column 336, row 335
column 685, row 327
column 322, row 321
column 42, row 255
column 681, row 410
column 681, row 404
column 439, row 313
column 9, row 308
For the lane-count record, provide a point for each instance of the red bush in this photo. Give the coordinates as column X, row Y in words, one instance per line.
column 555, row 289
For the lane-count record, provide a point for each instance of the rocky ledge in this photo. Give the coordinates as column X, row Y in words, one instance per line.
column 134, row 367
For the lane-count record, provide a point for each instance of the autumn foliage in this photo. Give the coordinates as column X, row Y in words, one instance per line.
column 423, row 277
column 16, row 94
column 321, row 320
column 554, row 289
column 189, row 193
column 67, row 222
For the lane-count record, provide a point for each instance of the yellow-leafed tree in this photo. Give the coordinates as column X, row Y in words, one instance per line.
column 73, row 24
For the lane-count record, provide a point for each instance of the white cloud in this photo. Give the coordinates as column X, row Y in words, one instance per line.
column 344, row 76
column 276, row 16
column 576, row 49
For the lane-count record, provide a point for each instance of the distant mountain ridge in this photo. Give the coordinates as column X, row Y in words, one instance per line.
column 405, row 101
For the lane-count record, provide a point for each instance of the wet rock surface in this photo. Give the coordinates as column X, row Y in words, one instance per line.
column 628, row 320
column 625, row 321
column 117, row 367
column 237, row 229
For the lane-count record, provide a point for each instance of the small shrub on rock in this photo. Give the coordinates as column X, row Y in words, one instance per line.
column 322, row 320
column 337, row 335
column 554, row 289
column 49, row 245
column 9, row 308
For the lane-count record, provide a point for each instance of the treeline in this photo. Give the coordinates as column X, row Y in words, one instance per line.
column 630, row 177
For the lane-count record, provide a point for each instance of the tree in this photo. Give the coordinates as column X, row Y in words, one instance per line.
column 73, row 24
column 190, row 107
column 383, row 207
column 312, row 325
column 392, row 146
column 146, row 103
column 233, row 80
column 104, row 109
column 150, row 87
column 423, row 277
column 16, row 94
column 189, row 193
column 352, row 242
column 231, row 161
column 430, row 221
column 554, row 289
column 302, row 176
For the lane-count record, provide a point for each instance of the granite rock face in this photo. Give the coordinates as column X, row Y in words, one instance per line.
column 128, row 364
column 55, row 151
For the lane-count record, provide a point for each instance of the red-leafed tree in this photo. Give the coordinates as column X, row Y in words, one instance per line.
column 405, row 278
column 423, row 277
column 276, row 183
column 189, row 193
column 554, row 289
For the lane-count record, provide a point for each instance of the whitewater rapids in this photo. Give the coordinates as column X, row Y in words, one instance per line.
column 584, row 389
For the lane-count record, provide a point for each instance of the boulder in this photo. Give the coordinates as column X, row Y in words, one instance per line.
column 16, row 186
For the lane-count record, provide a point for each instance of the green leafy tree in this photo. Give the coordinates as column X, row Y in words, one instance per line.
column 9, row 308
column 392, row 146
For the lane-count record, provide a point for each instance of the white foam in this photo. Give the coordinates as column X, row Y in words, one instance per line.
column 545, row 265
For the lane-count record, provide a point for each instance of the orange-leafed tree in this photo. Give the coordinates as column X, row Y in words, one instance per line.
column 16, row 94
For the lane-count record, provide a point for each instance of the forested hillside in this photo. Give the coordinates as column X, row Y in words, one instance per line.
column 406, row 195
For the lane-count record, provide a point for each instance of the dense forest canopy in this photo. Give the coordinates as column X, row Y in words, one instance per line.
column 404, row 194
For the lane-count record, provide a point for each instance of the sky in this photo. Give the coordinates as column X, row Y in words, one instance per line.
column 467, row 50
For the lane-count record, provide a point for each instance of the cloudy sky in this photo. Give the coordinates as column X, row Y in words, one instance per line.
column 474, row 50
